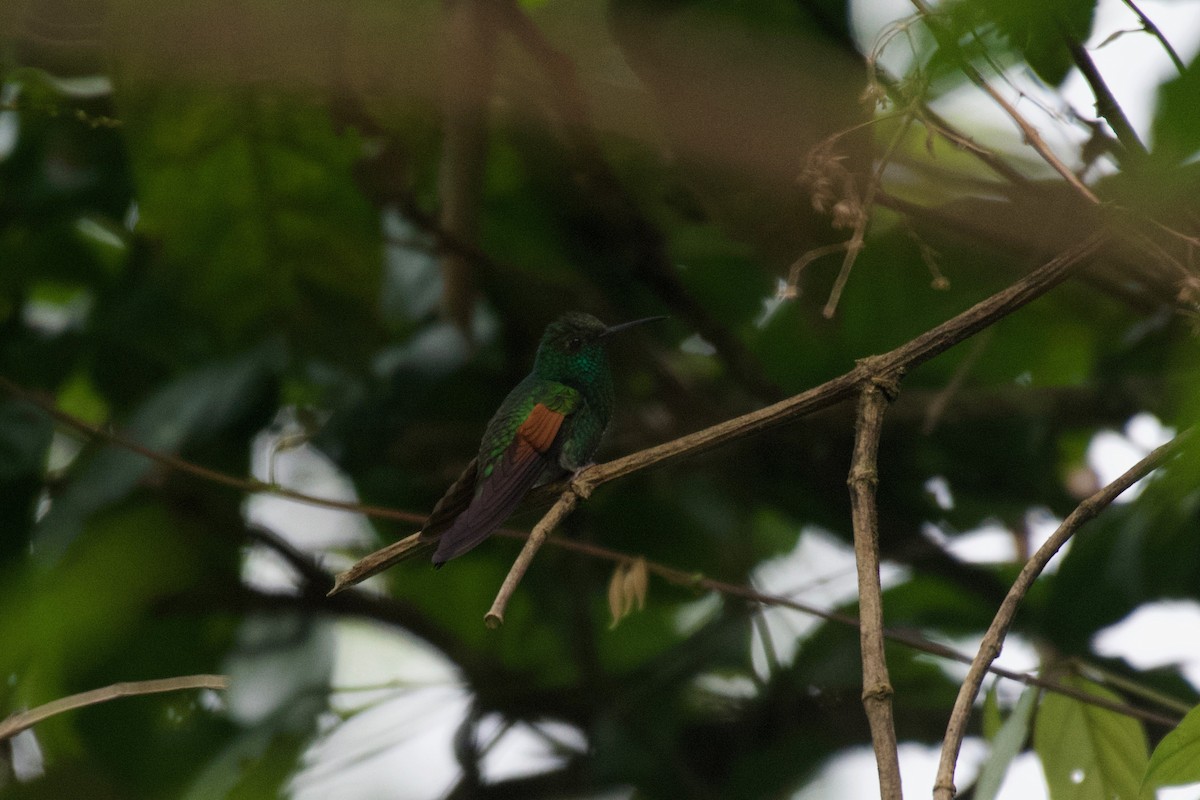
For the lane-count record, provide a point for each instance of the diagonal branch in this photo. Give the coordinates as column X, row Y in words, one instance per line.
column 557, row 513
column 1106, row 104
column 1152, row 29
column 394, row 612
column 1030, row 133
column 864, row 477
column 993, row 641
column 903, row 358
column 27, row 719
column 177, row 464
column 908, row 355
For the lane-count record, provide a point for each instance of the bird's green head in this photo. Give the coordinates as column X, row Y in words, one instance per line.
column 572, row 348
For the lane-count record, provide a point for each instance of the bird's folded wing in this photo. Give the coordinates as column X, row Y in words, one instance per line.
column 508, row 483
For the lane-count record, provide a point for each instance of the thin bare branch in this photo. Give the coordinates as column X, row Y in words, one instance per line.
column 858, row 238
column 27, row 719
column 908, row 355
column 1152, row 29
column 177, row 464
column 395, row 612
column 695, row 581
column 1106, row 104
column 993, row 640
column 864, row 477
column 1029, row 133
column 566, row 503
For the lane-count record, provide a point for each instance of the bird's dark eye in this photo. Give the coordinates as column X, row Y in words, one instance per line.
column 573, row 344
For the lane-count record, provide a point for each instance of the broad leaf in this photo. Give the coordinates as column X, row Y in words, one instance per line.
column 1176, row 760
column 1087, row 752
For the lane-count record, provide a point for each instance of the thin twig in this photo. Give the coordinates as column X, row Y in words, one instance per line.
column 993, row 640
column 1030, row 134
column 1121, row 683
column 1106, row 104
column 1152, row 29
column 177, row 464
column 858, row 238
column 864, row 477
column 27, row 719
column 696, row 581
column 942, row 127
column 394, row 612
column 566, row 503
column 790, row 290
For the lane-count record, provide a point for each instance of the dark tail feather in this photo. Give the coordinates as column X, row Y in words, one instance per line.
column 502, row 492
column 453, row 503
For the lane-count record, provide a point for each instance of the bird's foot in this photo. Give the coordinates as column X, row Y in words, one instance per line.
column 579, row 482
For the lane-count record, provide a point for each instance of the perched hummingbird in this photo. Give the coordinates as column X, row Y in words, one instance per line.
column 547, row 427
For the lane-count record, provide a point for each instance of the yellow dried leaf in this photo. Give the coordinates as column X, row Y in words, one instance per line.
column 636, row 584
column 615, row 595
column 628, row 586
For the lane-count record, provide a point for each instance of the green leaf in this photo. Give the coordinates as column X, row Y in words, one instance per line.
column 1089, row 752
column 1176, row 760
column 1006, row 744
column 194, row 406
column 991, row 714
column 1038, row 29
column 1177, row 121
column 250, row 198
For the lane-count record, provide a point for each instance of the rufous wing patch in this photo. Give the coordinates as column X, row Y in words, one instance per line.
column 538, row 431
column 501, row 491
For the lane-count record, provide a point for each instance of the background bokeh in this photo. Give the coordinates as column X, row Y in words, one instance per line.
column 314, row 244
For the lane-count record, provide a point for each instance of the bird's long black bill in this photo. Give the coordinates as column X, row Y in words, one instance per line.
column 610, row 330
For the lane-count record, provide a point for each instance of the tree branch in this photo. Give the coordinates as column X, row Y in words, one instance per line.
column 1152, row 29
column 565, row 505
column 177, row 464
column 993, row 641
column 1030, row 134
column 902, row 359
column 914, row 352
column 27, row 719
column 394, row 612
column 1106, row 104
column 864, row 477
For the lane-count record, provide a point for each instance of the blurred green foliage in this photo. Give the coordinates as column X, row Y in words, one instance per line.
column 213, row 213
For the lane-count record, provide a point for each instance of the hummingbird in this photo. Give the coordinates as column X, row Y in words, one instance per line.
column 547, row 427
